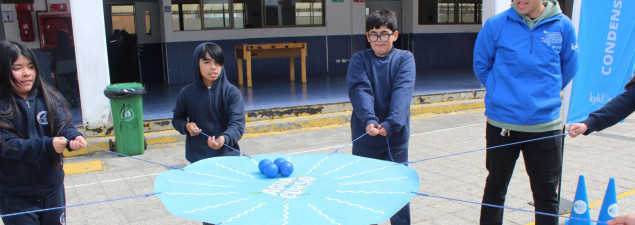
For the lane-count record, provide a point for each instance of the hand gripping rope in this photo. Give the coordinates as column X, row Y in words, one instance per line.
column 336, row 151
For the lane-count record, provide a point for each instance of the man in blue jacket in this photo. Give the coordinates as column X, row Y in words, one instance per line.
column 524, row 57
column 380, row 85
column 212, row 105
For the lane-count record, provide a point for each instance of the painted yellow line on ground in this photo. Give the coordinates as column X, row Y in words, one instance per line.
column 83, row 167
column 625, row 194
column 260, row 128
column 597, row 203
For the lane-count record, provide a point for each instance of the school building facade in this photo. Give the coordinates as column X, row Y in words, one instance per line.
column 160, row 36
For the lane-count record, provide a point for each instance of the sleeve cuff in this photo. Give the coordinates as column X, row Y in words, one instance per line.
column 48, row 144
column 590, row 129
column 227, row 140
column 184, row 129
column 369, row 122
column 68, row 145
column 387, row 127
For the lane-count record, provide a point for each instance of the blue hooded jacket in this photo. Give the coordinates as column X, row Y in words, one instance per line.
column 524, row 70
column 218, row 110
column 26, row 165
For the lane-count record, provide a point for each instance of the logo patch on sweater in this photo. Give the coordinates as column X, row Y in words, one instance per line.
column 552, row 39
column 63, row 219
column 41, row 118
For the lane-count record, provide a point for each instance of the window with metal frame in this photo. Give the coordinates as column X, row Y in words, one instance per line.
column 450, row 11
column 239, row 14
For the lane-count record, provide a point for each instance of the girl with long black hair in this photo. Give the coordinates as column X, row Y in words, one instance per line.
column 34, row 129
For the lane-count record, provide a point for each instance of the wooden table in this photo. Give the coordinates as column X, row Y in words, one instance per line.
column 274, row 50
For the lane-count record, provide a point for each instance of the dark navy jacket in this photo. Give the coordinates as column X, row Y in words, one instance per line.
column 613, row 112
column 28, row 168
column 217, row 111
column 380, row 90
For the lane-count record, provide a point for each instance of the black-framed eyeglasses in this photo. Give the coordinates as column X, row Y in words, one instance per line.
column 382, row 36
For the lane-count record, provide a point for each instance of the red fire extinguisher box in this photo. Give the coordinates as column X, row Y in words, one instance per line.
column 25, row 26
column 50, row 25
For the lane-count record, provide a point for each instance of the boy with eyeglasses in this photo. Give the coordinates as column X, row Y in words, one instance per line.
column 380, row 85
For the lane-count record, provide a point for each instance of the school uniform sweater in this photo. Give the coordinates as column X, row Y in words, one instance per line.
column 380, row 89
column 26, row 164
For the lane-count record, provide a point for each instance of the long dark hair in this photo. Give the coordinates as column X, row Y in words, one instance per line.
column 9, row 53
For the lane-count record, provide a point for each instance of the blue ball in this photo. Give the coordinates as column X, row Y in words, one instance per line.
column 271, row 170
column 262, row 165
column 279, row 161
column 286, row 169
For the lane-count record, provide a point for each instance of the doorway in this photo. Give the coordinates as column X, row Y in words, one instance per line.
column 133, row 32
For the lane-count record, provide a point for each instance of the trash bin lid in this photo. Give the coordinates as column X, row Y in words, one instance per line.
column 120, row 86
column 124, row 90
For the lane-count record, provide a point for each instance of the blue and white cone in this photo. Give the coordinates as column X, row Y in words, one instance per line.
column 609, row 205
column 580, row 210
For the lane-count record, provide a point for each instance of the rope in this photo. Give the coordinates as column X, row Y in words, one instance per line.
column 83, row 204
column 340, row 148
column 148, row 161
column 505, row 207
column 201, row 131
column 493, row 147
column 336, row 151
column 389, row 152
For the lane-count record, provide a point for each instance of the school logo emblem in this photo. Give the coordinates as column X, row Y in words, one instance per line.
column 63, row 219
column 613, row 210
column 126, row 113
column 552, row 39
column 41, row 118
column 580, row 207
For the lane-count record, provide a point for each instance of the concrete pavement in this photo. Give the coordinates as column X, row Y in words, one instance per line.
column 598, row 156
column 289, row 119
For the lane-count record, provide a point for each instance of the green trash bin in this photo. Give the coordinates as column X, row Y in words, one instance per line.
column 127, row 117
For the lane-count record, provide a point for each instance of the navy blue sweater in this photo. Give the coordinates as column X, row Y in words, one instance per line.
column 380, row 89
column 218, row 110
column 27, row 167
column 613, row 112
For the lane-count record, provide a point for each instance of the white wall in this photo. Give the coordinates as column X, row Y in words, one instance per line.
column 493, row 7
column 92, row 60
column 345, row 18
column 11, row 30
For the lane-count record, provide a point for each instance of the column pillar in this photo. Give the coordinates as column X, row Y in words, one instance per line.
column 493, row 7
column 92, row 60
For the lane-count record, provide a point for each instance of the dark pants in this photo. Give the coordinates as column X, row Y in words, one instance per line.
column 543, row 162
column 69, row 87
column 16, row 204
column 402, row 217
